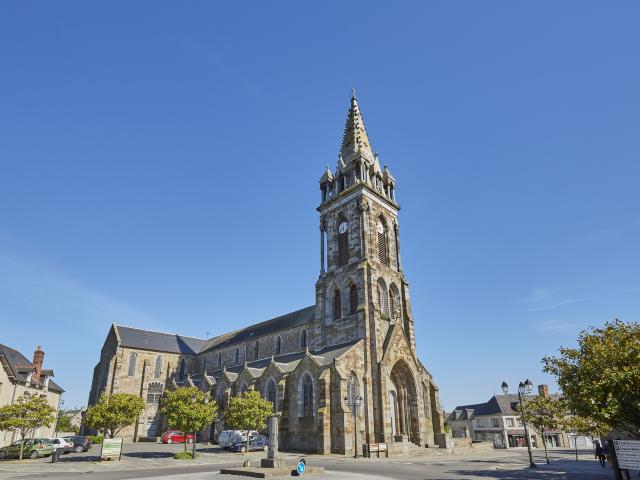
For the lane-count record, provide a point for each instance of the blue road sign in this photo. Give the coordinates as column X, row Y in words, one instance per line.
column 300, row 468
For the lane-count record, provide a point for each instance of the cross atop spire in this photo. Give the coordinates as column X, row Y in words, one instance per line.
column 354, row 138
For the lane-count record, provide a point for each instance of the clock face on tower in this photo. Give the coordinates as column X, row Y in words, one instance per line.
column 380, row 228
column 343, row 227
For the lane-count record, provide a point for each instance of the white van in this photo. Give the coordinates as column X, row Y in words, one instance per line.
column 229, row 437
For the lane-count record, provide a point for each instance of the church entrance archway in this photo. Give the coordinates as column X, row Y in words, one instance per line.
column 404, row 408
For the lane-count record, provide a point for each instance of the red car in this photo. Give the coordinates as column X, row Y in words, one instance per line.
column 176, row 436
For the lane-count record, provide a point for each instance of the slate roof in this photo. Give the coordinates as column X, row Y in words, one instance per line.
column 287, row 362
column 497, row 405
column 283, row 322
column 21, row 367
column 157, row 341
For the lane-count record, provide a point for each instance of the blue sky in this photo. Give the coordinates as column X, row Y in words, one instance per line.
column 159, row 166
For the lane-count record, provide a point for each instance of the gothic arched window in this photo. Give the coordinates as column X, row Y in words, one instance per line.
column 237, row 355
column 271, row 393
column 219, row 359
column 343, row 241
column 220, row 395
column 133, row 357
column 383, row 253
column 353, row 299
column 256, row 350
column 353, row 388
column 244, row 387
column 303, row 339
column 383, row 297
column 157, row 372
column 204, row 364
column 306, row 394
column 183, row 369
column 278, row 345
column 337, row 305
column 394, row 302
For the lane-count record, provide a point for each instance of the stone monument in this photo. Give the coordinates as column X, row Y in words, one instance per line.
column 272, row 460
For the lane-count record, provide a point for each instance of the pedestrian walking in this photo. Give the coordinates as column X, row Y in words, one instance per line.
column 600, row 455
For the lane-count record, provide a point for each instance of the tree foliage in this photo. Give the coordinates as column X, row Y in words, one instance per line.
column 600, row 377
column 248, row 411
column 64, row 423
column 544, row 414
column 188, row 409
column 26, row 415
column 114, row 412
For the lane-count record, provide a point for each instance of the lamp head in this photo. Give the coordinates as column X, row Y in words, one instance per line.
column 521, row 388
column 505, row 388
column 528, row 386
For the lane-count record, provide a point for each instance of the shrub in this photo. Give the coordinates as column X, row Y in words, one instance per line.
column 184, row 456
column 96, row 439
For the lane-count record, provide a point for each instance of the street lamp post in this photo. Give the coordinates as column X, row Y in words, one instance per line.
column 356, row 402
column 523, row 389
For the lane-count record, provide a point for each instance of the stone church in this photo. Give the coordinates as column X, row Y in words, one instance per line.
column 316, row 365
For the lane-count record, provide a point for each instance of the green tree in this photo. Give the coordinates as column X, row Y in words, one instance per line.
column 64, row 423
column 188, row 409
column 586, row 427
column 544, row 414
column 114, row 412
column 25, row 416
column 600, row 378
column 249, row 411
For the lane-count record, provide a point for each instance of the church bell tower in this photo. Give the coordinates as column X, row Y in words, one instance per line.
column 361, row 291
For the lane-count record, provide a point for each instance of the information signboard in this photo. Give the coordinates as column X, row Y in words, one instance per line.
column 628, row 453
column 111, row 448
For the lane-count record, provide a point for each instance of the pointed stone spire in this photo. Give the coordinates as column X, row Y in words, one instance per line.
column 354, row 138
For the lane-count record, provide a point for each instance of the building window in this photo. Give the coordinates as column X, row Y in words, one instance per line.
column 204, row 365
column 158, row 370
column 237, row 355
column 383, row 297
column 307, row 396
column 271, row 393
column 220, row 395
column 132, row 364
column 244, row 387
column 353, row 388
column 343, row 242
column 303, row 339
column 495, row 422
column 183, row 369
column 353, row 299
column 511, row 422
column 337, row 305
column 278, row 345
column 154, row 392
column 383, row 255
column 256, row 350
column 219, row 359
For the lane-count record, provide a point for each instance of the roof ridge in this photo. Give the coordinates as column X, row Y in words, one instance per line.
column 157, row 331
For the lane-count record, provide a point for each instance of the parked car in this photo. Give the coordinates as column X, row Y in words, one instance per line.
column 228, row 437
column 80, row 444
column 33, row 448
column 176, row 436
column 256, row 442
column 62, row 444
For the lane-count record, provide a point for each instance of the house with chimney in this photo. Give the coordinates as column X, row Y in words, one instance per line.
column 21, row 377
column 498, row 421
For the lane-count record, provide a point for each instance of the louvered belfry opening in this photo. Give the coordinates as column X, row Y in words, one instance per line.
column 392, row 304
column 337, row 305
column 343, row 248
column 382, row 244
column 353, row 299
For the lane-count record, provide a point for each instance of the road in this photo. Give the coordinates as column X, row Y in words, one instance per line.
column 154, row 461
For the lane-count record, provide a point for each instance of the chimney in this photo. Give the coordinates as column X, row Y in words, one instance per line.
column 543, row 390
column 38, row 358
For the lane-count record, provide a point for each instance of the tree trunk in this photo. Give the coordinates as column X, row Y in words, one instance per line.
column 546, row 453
column 21, row 449
column 248, row 440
